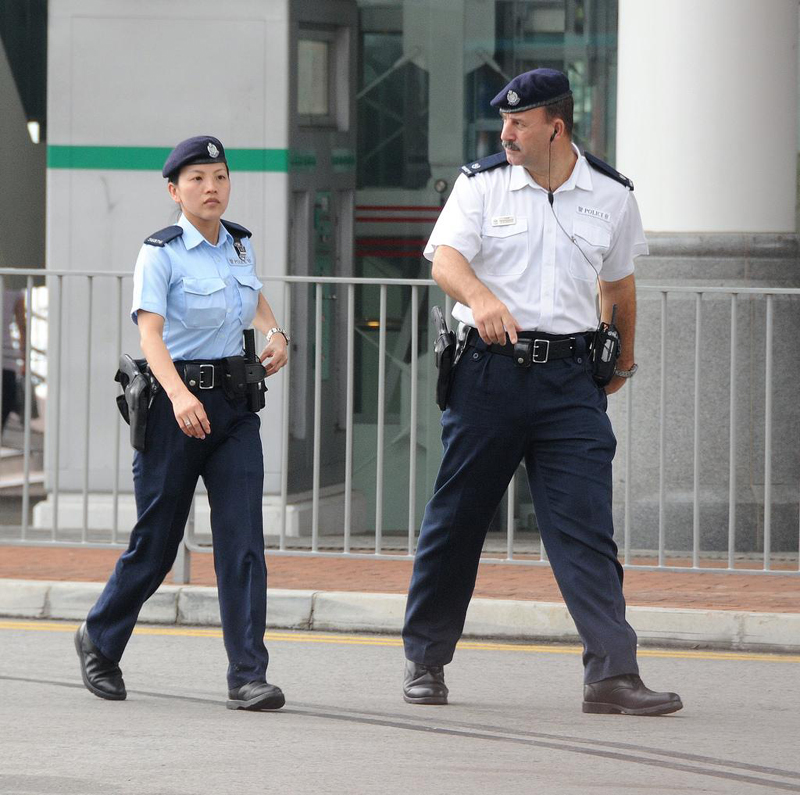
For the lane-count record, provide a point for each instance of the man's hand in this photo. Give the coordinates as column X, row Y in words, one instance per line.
column 493, row 320
column 454, row 275
column 615, row 384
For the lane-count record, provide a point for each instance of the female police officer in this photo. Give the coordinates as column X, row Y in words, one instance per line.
column 195, row 291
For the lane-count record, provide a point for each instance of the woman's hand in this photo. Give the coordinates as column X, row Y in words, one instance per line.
column 190, row 415
column 276, row 352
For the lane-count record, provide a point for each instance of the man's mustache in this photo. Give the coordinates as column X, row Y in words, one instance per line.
column 510, row 145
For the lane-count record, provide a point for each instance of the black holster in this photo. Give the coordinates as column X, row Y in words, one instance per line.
column 139, row 388
column 444, row 354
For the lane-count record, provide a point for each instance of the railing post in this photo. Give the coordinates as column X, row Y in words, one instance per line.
column 27, row 414
column 696, row 435
column 182, row 568
column 381, row 431
column 414, row 419
column 732, row 440
column 768, row 436
column 350, row 397
column 662, row 433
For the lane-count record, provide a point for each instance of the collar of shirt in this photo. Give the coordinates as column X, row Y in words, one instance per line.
column 581, row 176
column 193, row 238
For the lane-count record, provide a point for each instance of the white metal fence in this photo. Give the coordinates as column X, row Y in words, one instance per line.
column 659, row 457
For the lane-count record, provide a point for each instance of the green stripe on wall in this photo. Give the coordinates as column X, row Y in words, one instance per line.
column 151, row 158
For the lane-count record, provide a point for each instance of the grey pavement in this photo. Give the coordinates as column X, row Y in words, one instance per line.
column 514, row 724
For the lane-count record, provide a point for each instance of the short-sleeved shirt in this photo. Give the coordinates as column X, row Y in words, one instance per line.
column 502, row 223
column 206, row 293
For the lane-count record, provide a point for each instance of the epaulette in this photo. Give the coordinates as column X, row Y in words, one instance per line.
column 485, row 164
column 609, row 171
column 236, row 230
column 164, row 236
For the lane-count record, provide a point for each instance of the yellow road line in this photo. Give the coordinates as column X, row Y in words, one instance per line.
column 365, row 640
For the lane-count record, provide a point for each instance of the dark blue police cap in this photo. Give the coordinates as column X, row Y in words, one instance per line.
column 533, row 89
column 200, row 149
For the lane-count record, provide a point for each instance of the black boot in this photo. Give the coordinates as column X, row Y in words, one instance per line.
column 256, row 696
column 424, row 684
column 627, row 695
column 100, row 675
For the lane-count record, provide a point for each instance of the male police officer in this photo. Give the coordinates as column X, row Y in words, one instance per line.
column 522, row 244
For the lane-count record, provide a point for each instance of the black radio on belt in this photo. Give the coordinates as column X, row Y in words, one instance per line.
column 606, row 348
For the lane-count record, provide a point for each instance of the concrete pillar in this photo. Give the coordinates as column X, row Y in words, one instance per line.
column 22, row 203
column 707, row 113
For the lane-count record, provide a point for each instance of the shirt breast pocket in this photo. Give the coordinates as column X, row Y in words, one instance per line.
column 504, row 249
column 204, row 301
column 249, row 290
column 594, row 242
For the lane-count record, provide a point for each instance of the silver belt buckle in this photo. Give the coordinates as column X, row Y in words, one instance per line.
column 535, row 358
column 203, row 385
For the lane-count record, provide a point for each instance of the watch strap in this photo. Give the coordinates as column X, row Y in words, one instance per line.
column 277, row 330
column 627, row 373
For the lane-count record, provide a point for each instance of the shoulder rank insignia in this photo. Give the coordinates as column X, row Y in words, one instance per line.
column 164, row 236
column 485, row 164
column 236, row 230
column 599, row 165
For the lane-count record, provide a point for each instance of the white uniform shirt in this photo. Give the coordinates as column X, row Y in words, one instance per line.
column 501, row 221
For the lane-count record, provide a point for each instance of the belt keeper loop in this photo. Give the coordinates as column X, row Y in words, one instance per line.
column 191, row 376
column 523, row 350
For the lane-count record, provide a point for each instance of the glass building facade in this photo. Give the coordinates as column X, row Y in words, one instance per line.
column 409, row 139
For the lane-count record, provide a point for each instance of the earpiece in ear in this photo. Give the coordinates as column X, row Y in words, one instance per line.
column 552, row 137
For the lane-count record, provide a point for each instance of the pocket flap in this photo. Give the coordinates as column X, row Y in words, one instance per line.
column 519, row 226
column 246, row 278
column 203, row 286
column 595, row 235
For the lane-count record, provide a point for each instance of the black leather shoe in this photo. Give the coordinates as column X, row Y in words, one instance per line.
column 627, row 695
column 100, row 675
column 424, row 684
column 256, row 696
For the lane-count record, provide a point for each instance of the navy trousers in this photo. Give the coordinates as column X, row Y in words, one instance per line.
column 553, row 417
column 230, row 462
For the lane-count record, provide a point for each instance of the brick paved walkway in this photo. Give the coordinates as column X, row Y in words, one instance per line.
column 752, row 592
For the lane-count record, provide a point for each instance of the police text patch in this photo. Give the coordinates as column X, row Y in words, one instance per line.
column 592, row 213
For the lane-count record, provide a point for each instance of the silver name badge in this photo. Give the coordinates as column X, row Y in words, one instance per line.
column 504, row 220
column 592, row 213
column 240, row 249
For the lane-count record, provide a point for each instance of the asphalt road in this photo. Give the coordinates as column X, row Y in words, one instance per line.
column 514, row 724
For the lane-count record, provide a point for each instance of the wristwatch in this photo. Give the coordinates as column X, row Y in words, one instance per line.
column 627, row 373
column 277, row 330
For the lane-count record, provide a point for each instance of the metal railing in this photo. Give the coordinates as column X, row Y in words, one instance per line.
column 646, row 510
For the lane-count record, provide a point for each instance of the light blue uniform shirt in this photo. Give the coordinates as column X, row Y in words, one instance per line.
column 206, row 294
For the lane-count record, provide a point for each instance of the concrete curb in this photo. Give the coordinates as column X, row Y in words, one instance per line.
column 333, row 611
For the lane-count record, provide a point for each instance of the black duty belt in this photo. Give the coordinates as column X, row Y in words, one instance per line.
column 532, row 347
column 202, row 375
